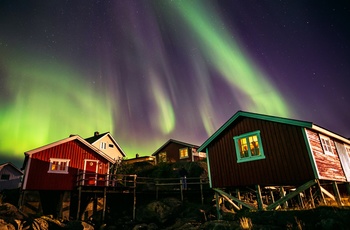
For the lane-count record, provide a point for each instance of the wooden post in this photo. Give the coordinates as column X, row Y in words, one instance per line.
column 79, row 202
column 201, row 187
column 217, row 206
column 181, row 191
column 272, row 196
column 282, row 194
column 337, row 194
column 259, row 198
column 301, row 202
column 312, row 198
column 239, row 197
column 104, row 203
column 321, row 193
column 134, row 208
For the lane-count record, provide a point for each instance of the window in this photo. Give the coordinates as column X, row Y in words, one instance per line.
column 249, row 147
column 5, row 177
column 103, row 145
column 326, row 144
column 183, row 153
column 111, row 145
column 58, row 165
column 162, row 157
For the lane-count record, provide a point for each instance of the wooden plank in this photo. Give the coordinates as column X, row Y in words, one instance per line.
column 292, row 194
column 231, row 202
column 337, row 194
column 259, row 198
column 235, row 199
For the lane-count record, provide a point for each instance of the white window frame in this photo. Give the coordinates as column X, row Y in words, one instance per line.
column 183, row 149
column 327, row 149
column 60, row 161
column 103, row 145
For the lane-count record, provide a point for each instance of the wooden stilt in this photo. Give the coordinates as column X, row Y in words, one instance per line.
column 337, row 194
column 323, row 200
column 283, row 194
column 79, row 202
column 272, row 196
column 134, row 205
column 259, row 198
column 104, row 203
column 217, row 206
column 312, row 198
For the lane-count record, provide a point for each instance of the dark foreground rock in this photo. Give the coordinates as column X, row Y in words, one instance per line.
column 172, row 214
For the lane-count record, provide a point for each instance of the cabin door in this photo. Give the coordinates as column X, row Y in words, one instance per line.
column 90, row 175
column 344, row 159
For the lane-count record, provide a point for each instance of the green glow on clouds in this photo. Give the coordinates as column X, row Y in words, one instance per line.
column 224, row 53
column 48, row 102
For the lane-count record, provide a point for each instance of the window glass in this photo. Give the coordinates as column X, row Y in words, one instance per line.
column 58, row 165
column 103, row 145
column 326, row 144
column 183, row 153
column 162, row 157
column 5, row 177
column 249, row 147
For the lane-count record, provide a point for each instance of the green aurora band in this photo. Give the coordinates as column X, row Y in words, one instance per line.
column 48, row 103
column 231, row 62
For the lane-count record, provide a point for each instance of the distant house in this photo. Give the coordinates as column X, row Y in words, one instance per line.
column 106, row 143
column 175, row 151
column 261, row 151
column 10, row 176
column 140, row 159
column 54, row 169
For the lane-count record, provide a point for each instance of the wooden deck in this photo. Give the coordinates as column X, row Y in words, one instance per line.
column 120, row 183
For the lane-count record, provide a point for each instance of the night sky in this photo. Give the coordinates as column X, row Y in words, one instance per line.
column 150, row 71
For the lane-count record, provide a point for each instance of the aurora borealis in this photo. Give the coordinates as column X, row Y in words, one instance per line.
column 152, row 70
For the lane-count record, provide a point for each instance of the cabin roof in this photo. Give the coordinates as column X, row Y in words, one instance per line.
column 72, row 137
column 236, row 116
column 11, row 165
column 177, row 142
column 97, row 137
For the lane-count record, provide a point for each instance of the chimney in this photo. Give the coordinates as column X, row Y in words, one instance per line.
column 96, row 133
column 137, row 155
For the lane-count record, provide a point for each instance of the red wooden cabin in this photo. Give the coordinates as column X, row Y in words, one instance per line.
column 51, row 174
column 56, row 166
column 261, row 151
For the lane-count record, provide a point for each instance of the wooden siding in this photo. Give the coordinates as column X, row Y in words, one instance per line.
column 39, row 178
column 328, row 166
column 172, row 152
column 287, row 160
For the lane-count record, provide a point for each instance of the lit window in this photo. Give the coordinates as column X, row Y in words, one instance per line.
column 58, row 165
column 183, row 153
column 5, row 177
column 249, row 147
column 162, row 157
column 103, row 145
column 326, row 144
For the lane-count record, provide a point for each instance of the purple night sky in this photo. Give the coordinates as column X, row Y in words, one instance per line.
column 150, row 71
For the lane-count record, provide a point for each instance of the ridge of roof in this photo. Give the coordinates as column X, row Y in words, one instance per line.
column 72, row 137
column 95, row 138
column 174, row 141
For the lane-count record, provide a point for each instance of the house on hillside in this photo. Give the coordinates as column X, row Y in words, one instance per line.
column 106, row 143
column 175, row 151
column 276, row 157
column 55, row 170
column 140, row 160
column 10, row 176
